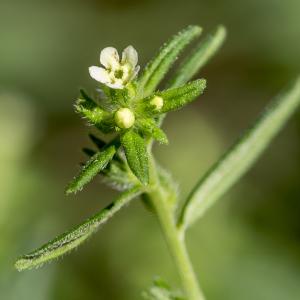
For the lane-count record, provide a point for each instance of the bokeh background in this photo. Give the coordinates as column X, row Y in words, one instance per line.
column 247, row 247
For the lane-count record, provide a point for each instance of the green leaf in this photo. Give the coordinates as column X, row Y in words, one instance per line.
column 194, row 62
column 241, row 156
column 178, row 97
column 200, row 56
column 93, row 113
column 150, row 128
column 159, row 135
column 136, row 155
column 89, row 109
column 94, row 165
column 159, row 66
column 69, row 240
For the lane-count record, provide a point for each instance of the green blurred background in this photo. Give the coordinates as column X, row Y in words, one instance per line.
column 247, row 247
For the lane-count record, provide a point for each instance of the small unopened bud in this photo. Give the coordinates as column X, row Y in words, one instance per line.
column 157, row 102
column 124, row 118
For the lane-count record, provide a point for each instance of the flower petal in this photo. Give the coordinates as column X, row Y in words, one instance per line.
column 99, row 74
column 109, row 57
column 130, row 56
column 134, row 72
column 116, row 85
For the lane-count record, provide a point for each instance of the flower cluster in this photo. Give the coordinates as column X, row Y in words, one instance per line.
column 131, row 106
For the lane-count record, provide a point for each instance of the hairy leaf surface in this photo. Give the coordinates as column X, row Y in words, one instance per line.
column 177, row 97
column 94, row 165
column 241, row 156
column 76, row 236
column 136, row 155
column 200, row 56
column 89, row 109
column 159, row 66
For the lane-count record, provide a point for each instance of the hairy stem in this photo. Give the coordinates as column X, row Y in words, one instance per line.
column 174, row 237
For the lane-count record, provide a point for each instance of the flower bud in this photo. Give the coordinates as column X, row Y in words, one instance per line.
column 157, row 102
column 124, row 118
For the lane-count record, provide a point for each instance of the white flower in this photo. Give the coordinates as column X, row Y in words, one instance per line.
column 116, row 74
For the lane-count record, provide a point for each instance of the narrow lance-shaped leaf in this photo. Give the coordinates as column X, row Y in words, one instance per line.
column 89, row 109
column 159, row 66
column 76, row 236
column 94, row 165
column 159, row 135
column 200, row 56
column 176, row 98
column 194, row 62
column 240, row 157
column 136, row 154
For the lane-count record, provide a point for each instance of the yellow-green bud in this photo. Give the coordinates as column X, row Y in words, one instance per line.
column 157, row 102
column 124, row 118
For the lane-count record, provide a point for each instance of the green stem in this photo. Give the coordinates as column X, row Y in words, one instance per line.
column 174, row 237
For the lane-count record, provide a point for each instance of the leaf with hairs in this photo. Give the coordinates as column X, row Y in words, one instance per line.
column 240, row 157
column 136, row 154
column 94, row 165
column 175, row 98
column 71, row 239
column 150, row 128
column 89, row 109
column 159, row 66
column 200, row 56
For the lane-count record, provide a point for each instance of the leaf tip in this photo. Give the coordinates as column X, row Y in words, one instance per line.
column 68, row 191
column 203, row 83
column 22, row 264
column 221, row 29
column 71, row 189
column 199, row 85
column 198, row 29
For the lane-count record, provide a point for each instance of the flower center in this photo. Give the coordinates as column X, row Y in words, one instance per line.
column 119, row 74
